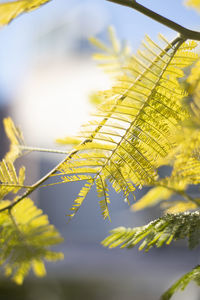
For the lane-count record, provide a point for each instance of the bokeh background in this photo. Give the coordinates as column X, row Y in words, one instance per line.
column 46, row 77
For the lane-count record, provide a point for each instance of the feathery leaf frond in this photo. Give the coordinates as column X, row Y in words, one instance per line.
column 183, row 282
column 113, row 57
column 134, row 127
column 156, row 233
column 26, row 236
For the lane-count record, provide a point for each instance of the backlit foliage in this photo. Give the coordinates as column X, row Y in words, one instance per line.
column 149, row 118
column 112, row 58
column 137, row 128
column 25, row 233
column 183, row 157
column 26, row 238
column 158, row 232
column 133, row 130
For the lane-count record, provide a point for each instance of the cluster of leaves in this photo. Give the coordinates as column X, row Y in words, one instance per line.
column 133, row 130
column 159, row 232
column 25, row 240
column 141, row 123
column 156, row 233
column 183, row 157
column 161, row 129
column 25, row 233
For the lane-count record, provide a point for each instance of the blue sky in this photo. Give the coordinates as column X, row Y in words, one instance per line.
column 17, row 39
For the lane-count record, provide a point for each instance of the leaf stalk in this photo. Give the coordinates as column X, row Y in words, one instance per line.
column 184, row 32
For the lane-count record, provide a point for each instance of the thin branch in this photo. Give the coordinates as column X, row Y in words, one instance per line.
column 185, row 32
column 33, row 187
column 36, row 149
column 42, row 180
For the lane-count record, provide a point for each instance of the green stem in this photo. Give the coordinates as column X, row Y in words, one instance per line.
column 33, row 187
column 28, row 148
column 185, row 32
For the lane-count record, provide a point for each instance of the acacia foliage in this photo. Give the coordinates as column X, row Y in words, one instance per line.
column 26, row 236
column 142, row 123
column 158, row 232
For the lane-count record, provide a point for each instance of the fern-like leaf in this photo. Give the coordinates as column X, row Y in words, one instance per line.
column 182, row 283
column 156, row 233
column 113, row 57
column 26, row 238
column 135, row 126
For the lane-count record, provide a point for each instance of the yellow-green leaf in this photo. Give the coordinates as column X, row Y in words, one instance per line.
column 26, row 238
column 10, row 10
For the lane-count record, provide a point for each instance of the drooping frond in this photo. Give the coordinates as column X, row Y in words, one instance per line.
column 26, row 238
column 135, row 126
column 16, row 139
column 11, row 9
column 182, row 283
column 113, row 57
column 156, row 233
column 10, row 182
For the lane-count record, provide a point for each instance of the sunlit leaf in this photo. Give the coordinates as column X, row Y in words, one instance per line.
column 11, row 9
column 26, row 238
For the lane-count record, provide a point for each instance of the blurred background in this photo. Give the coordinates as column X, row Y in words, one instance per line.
column 46, row 77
